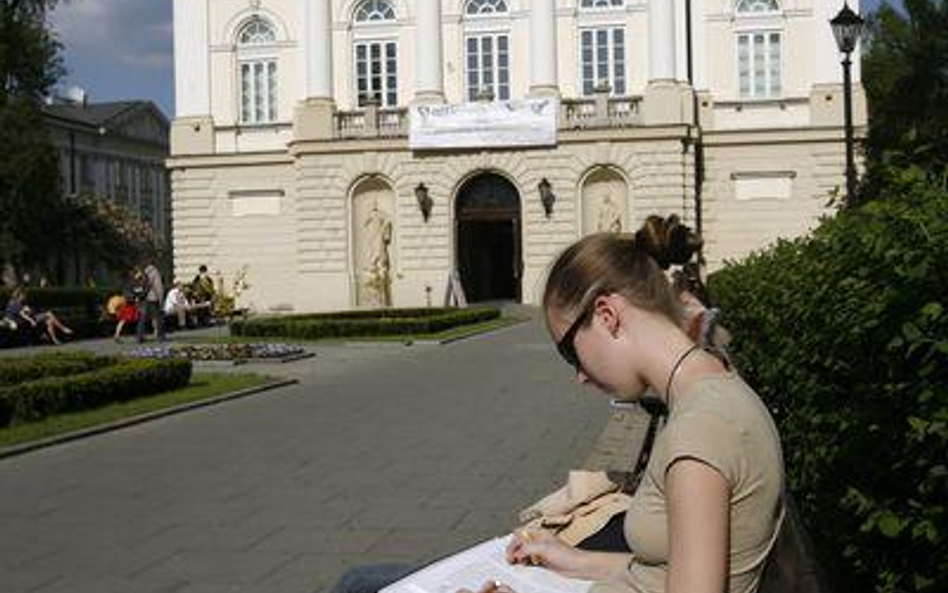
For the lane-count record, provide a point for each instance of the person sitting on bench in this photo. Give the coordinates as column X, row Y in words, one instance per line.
column 18, row 312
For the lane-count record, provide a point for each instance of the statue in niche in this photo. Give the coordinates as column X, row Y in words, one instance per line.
column 610, row 218
column 377, row 259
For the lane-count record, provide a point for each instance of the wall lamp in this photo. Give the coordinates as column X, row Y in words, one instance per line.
column 547, row 197
column 425, row 202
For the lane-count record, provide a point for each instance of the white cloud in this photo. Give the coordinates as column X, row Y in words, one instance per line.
column 153, row 60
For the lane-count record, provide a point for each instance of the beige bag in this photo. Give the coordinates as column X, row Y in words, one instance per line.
column 579, row 509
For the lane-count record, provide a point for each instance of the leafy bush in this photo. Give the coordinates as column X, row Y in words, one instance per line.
column 385, row 322
column 122, row 380
column 845, row 335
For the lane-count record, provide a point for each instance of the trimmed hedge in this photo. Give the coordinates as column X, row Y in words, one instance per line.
column 58, row 364
column 122, row 380
column 845, row 335
column 387, row 322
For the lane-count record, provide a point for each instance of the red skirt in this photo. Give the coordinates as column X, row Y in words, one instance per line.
column 128, row 312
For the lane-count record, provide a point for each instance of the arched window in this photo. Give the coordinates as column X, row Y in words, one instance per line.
column 375, row 53
column 476, row 7
column 487, row 50
column 374, row 10
column 257, row 68
column 759, row 49
column 256, row 31
column 756, row 6
column 601, row 3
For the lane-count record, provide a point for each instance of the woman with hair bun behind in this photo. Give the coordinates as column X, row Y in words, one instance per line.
column 710, row 504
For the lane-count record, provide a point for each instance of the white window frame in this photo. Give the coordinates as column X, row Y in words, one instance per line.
column 492, row 13
column 363, row 3
column 597, row 5
column 610, row 29
column 770, row 89
column 494, row 87
column 389, row 97
column 747, row 13
column 263, row 109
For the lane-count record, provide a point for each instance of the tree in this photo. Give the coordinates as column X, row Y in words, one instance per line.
column 905, row 73
column 29, row 175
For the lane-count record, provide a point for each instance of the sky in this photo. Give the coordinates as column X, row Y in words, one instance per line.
column 122, row 49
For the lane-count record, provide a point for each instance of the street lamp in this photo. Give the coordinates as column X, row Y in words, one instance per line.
column 847, row 28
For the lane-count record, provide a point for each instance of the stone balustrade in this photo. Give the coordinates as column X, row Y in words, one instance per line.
column 601, row 111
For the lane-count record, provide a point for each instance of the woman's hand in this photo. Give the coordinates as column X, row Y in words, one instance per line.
column 542, row 548
column 491, row 587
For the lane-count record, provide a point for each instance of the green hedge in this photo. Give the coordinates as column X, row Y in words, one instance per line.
column 90, row 299
column 122, row 380
column 845, row 335
column 388, row 322
column 58, row 364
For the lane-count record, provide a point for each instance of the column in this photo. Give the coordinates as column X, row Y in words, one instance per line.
column 318, row 49
column 543, row 78
column 429, row 80
column 314, row 116
column 661, row 40
column 192, row 130
column 192, row 92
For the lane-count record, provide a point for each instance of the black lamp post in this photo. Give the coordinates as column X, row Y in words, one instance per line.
column 425, row 202
column 547, row 197
column 847, row 28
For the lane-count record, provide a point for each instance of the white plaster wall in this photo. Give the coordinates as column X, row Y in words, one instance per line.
column 734, row 228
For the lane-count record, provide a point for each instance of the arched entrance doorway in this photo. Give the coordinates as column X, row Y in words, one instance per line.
column 487, row 211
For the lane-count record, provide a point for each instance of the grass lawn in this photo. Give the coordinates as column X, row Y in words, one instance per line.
column 202, row 386
column 455, row 333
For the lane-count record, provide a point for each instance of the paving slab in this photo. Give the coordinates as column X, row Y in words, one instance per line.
column 377, row 454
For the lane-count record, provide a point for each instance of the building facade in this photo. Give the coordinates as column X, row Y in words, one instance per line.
column 115, row 151
column 299, row 147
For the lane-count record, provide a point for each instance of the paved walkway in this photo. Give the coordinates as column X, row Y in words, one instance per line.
column 381, row 452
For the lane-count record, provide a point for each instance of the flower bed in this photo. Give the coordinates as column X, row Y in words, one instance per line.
column 255, row 351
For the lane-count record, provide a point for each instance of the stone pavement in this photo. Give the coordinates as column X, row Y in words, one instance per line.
column 381, row 452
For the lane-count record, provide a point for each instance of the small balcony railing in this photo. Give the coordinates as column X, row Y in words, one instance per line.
column 372, row 122
column 598, row 112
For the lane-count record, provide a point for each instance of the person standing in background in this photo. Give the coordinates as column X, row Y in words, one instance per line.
column 153, row 300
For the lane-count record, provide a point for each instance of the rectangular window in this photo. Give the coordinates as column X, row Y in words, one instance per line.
column 258, row 92
column 758, row 65
column 377, row 72
column 488, row 66
column 602, row 59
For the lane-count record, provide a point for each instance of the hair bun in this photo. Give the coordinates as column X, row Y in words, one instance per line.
column 667, row 240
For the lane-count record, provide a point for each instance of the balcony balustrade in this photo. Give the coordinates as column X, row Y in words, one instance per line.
column 598, row 112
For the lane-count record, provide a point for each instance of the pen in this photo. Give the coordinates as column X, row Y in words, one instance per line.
column 527, row 538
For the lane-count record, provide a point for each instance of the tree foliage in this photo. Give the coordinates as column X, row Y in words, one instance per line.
column 29, row 175
column 905, row 74
column 845, row 335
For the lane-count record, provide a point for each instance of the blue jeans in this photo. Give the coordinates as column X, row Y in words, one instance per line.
column 372, row 577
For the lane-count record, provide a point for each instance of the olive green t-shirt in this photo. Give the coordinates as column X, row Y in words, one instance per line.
column 719, row 421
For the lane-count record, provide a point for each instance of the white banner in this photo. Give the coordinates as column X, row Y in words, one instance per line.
column 483, row 125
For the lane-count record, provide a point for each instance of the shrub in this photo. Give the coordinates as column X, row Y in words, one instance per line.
column 386, row 322
column 123, row 380
column 59, row 364
column 845, row 335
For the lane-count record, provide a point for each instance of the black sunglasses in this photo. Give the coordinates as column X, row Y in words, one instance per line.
column 566, row 345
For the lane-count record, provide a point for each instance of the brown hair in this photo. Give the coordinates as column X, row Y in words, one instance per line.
column 631, row 265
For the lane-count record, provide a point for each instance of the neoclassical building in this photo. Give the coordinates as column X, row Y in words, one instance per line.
column 356, row 153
